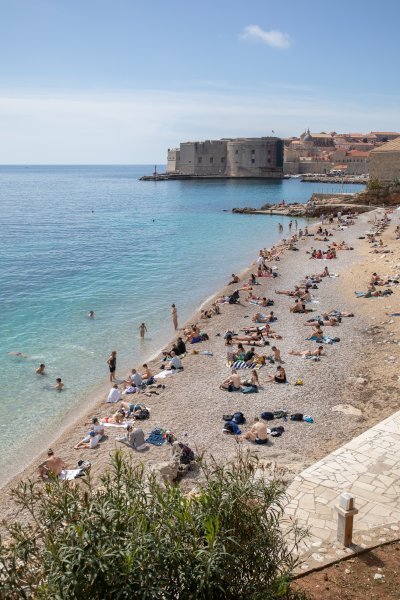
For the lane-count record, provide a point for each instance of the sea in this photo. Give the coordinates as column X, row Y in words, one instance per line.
column 80, row 238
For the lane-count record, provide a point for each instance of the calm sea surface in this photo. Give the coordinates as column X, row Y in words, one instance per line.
column 79, row 238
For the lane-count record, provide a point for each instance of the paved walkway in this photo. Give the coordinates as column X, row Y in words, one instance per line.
column 369, row 468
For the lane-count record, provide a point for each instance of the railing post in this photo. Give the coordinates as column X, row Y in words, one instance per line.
column 346, row 512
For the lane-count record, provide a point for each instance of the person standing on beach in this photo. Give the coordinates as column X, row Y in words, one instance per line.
column 112, row 365
column 142, row 330
column 174, row 314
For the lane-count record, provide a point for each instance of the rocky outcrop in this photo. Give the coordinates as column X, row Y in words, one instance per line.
column 380, row 194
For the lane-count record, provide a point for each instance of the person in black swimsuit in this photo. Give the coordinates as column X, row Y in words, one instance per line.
column 112, row 365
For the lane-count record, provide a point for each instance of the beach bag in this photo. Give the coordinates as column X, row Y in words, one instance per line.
column 143, row 414
column 336, row 339
column 267, row 416
column 277, row 431
column 296, row 417
column 280, row 414
column 238, row 418
column 227, row 417
column 228, row 428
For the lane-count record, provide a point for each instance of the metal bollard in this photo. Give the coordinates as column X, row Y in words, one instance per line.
column 346, row 512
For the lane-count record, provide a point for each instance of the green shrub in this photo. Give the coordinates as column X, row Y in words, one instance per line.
column 133, row 538
column 375, row 184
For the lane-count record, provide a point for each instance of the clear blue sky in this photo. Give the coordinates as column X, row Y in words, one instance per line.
column 101, row 81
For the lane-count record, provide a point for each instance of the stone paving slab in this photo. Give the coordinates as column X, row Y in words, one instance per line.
column 368, row 467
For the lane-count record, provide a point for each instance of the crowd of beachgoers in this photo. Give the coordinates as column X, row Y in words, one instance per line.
column 249, row 346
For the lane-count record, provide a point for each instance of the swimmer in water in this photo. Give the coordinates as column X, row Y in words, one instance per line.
column 59, row 384
column 91, row 314
column 40, row 369
column 20, row 354
column 142, row 330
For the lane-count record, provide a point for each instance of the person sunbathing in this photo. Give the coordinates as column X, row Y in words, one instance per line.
column 232, row 383
column 306, row 353
column 296, row 292
column 329, row 322
column 340, row 313
column 90, row 441
column 260, row 318
column 251, row 337
column 52, row 466
column 147, row 375
column 118, row 417
column 193, row 332
column 325, row 273
column 317, row 335
column 239, row 354
column 235, row 279
column 258, row 432
column 276, row 355
column 134, row 438
column 252, row 280
column 253, row 381
column 261, row 301
column 299, row 307
column 280, row 376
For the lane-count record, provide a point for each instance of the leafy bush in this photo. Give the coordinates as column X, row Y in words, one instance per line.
column 131, row 537
column 375, row 184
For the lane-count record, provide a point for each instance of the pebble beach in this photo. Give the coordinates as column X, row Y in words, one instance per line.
column 340, row 392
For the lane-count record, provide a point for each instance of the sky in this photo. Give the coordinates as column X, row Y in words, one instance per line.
column 121, row 81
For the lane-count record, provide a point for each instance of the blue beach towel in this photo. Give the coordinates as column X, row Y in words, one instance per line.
column 156, row 438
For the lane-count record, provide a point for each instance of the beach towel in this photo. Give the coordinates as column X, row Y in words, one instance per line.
column 240, row 364
column 69, row 474
column 325, row 340
column 156, row 437
column 164, row 374
column 123, row 425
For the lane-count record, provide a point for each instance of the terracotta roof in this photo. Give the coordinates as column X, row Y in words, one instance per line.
column 321, row 135
column 358, row 153
column 393, row 146
column 384, row 133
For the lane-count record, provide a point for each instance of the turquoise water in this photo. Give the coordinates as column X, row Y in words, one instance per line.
column 80, row 238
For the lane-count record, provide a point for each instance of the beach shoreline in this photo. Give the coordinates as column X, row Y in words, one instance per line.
column 95, row 397
column 192, row 396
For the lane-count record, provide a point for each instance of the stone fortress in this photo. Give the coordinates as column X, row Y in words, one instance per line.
column 376, row 154
column 239, row 157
